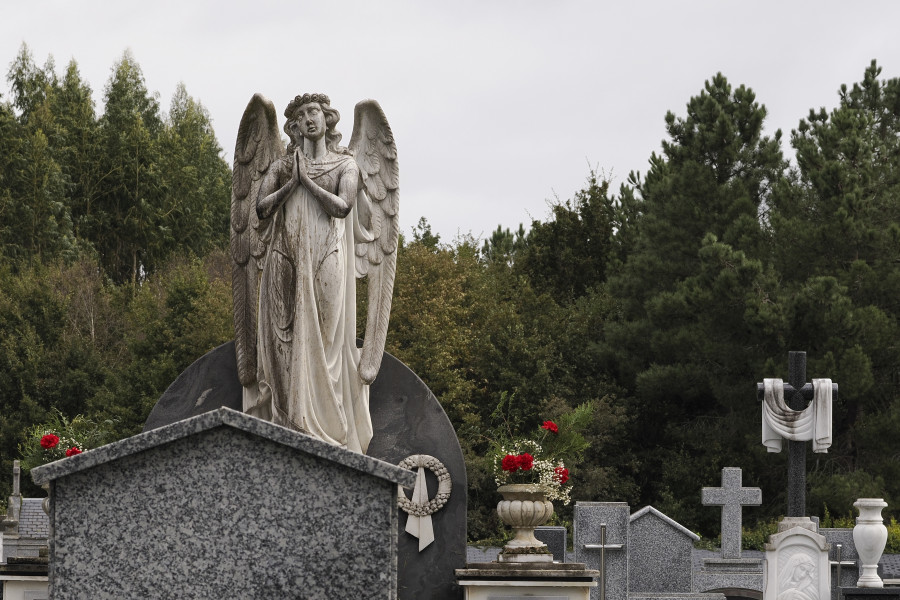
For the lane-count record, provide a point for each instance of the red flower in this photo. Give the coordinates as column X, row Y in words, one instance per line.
column 526, row 461
column 49, row 441
column 561, row 474
column 73, row 451
column 510, row 463
column 550, row 426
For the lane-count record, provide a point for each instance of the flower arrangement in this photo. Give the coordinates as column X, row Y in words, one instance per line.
column 62, row 438
column 542, row 459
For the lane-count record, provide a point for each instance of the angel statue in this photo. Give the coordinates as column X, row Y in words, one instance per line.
column 305, row 223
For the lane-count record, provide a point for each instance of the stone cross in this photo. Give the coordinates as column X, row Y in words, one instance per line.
column 16, row 474
column 797, row 395
column 732, row 498
column 10, row 521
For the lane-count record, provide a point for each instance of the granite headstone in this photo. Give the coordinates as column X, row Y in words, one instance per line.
column 885, row 593
column 732, row 497
column 555, row 538
column 600, row 532
column 222, row 505
column 659, row 553
column 843, row 558
column 407, row 420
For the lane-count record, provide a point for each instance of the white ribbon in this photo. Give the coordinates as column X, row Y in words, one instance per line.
column 420, row 527
column 779, row 421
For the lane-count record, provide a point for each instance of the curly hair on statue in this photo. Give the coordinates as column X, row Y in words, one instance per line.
column 332, row 116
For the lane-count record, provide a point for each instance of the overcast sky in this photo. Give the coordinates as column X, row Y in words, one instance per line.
column 496, row 106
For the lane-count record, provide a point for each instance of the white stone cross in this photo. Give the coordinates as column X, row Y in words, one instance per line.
column 732, row 498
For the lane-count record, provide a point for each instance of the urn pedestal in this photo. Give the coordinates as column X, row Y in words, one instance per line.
column 870, row 537
column 524, row 507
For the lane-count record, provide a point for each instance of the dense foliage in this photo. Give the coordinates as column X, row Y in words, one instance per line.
column 660, row 304
column 112, row 277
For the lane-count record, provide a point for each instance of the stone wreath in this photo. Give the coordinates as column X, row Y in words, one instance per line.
column 444, row 486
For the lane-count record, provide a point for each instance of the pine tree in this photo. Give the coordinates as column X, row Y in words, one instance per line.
column 696, row 293
column 837, row 235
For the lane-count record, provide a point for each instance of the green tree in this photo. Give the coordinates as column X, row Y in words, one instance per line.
column 197, row 178
column 503, row 245
column 181, row 312
column 36, row 185
column 698, row 299
column 569, row 252
column 78, row 150
column 42, row 367
column 837, row 241
column 12, row 141
column 31, row 85
column 130, row 234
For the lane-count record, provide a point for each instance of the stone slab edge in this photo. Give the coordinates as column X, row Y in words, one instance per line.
column 674, row 596
column 863, row 593
column 526, row 571
column 732, row 565
column 223, row 417
column 678, row 526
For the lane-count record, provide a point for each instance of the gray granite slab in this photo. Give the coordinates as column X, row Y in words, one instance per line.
column 222, row 506
column 407, row 419
column 555, row 538
column 885, row 593
column 743, row 584
column 677, row 596
column 528, row 571
column 843, row 550
column 659, row 554
column 482, row 554
column 743, row 577
column 607, row 522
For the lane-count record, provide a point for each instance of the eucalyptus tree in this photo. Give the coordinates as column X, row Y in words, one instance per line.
column 128, row 219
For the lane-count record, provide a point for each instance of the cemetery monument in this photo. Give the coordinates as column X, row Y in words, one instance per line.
column 305, row 224
column 797, row 556
column 798, row 412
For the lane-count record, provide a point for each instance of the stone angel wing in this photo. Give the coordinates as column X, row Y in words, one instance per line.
column 377, row 227
column 258, row 146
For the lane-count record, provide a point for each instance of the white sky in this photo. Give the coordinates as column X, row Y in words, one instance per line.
column 496, row 106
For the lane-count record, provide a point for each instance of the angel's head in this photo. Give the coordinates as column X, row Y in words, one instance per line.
column 306, row 107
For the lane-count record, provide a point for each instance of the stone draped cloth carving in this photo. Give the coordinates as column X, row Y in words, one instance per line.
column 810, row 424
column 308, row 317
column 305, row 224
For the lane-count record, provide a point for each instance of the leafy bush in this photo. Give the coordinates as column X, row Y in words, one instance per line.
column 61, row 437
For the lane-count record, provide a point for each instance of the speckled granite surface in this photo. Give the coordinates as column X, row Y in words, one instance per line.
column 590, row 517
column 222, row 506
column 407, row 420
column 659, row 553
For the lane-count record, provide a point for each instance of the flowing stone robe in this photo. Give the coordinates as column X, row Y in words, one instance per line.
column 810, row 424
column 307, row 366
